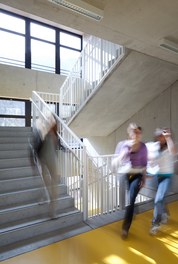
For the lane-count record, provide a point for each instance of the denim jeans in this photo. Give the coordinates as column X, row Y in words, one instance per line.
column 159, row 205
column 134, row 187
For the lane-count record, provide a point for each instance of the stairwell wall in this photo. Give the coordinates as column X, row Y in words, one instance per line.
column 19, row 82
column 160, row 112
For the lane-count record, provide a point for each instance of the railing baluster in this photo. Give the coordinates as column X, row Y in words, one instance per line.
column 96, row 59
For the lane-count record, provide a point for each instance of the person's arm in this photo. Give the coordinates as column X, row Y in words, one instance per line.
column 143, row 178
column 170, row 143
column 120, row 153
column 145, row 158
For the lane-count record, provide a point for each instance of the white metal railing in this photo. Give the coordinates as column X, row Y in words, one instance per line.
column 107, row 190
column 52, row 100
column 96, row 189
column 71, row 157
column 97, row 59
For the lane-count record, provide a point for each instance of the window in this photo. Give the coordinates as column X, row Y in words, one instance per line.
column 17, row 122
column 12, row 44
column 69, row 40
column 12, row 49
column 43, row 56
column 68, row 59
column 15, row 112
column 69, row 51
column 42, row 32
column 35, row 45
column 12, row 23
column 12, row 107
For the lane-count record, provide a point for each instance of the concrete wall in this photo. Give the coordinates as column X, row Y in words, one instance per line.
column 161, row 112
column 19, row 82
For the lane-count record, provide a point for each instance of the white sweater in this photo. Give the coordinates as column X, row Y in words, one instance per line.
column 166, row 162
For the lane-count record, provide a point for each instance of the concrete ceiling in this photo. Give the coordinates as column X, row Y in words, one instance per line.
column 138, row 24
column 132, row 85
column 145, row 73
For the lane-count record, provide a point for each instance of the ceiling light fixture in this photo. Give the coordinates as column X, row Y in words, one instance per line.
column 81, row 8
column 169, row 45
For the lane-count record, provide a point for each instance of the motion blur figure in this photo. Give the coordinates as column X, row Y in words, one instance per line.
column 134, row 151
column 164, row 175
column 45, row 147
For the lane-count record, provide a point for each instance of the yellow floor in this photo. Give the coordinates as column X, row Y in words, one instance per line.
column 104, row 245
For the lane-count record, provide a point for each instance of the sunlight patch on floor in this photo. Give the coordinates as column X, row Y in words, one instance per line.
column 170, row 241
column 138, row 253
column 114, row 259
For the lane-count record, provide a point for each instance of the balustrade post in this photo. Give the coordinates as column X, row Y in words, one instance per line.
column 85, row 185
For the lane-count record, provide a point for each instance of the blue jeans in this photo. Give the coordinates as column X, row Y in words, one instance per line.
column 159, row 205
column 134, row 187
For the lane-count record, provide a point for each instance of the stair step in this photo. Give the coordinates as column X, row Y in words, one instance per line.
column 15, row 129
column 24, row 200
column 24, row 197
column 25, row 212
column 28, row 183
column 20, row 172
column 14, row 163
column 44, row 239
column 34, row 219
column 17, row 184
column 7, row 133
column 35, row 229
column 13, row 199
column 14, row 140
column 10, row 154
column 21, row 212
column 14, row 146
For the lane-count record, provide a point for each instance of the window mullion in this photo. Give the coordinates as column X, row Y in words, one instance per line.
column 27, row 45
column 58, row 65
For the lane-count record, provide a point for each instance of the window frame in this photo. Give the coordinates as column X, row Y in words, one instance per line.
column 28, row 38
column 27, row 115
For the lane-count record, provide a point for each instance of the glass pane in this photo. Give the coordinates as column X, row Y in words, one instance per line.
column 43, row 56
column 42, row 32
column 11, row 107
column 12, row 122
column 52, row 107
column 68, row 59
column 12, row 49
column 12, row 23
column 70, row 40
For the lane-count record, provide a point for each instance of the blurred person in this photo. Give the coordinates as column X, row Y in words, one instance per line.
column 133, row 152
column 166, row 159
column 45, row 146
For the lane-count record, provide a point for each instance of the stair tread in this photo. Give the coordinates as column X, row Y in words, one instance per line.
column 18, row 172
column 31, row 203
column 18, row 168
column 32, row 177
column 42, row 240
column 28, row 190
column 25, row 223
column 23, row 216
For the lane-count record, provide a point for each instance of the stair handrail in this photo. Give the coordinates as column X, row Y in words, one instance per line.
column 74, row 149
column 95, row 174
column 94, row 64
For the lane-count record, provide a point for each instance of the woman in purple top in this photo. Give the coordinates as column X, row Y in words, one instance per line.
column 137, row 153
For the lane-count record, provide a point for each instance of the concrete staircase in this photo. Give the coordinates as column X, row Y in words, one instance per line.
column 24, row 207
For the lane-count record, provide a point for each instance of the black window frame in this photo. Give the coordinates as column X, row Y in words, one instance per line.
column 27, row 115
column 28, row 38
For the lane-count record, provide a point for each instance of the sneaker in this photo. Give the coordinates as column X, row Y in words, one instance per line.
column 124, row 234
column 164, row 218
column 154, row 229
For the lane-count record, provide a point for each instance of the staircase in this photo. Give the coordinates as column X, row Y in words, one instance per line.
column 24, row 220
